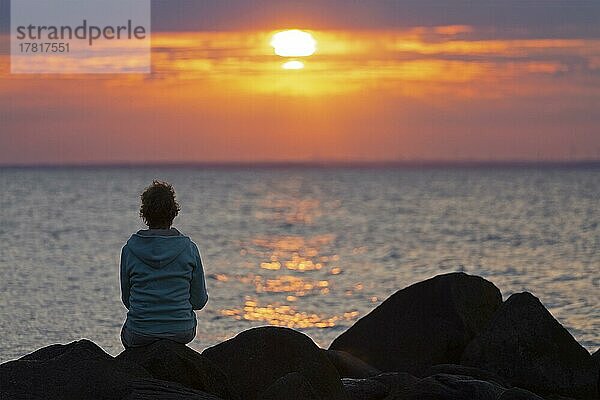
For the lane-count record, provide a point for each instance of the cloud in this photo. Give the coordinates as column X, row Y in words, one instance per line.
column 218, row 93
column 507, row 18
column 501, row 19
column 420, row 61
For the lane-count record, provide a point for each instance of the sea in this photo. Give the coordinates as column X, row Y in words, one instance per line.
column 314, row 248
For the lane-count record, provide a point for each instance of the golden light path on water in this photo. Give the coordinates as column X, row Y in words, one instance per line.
column 288, row 272
column 285, row 315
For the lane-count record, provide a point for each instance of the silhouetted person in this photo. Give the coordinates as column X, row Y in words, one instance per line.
column 162, row 279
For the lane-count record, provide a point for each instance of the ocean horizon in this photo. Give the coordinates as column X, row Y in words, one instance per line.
column 395, row 164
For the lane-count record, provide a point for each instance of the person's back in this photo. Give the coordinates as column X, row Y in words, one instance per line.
column 162, row 278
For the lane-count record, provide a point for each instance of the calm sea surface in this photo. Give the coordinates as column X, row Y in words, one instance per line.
column 305, row 247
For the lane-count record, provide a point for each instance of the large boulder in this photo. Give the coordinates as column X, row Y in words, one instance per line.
column 454, row 369
column 441, row 386
column 83, row 348
column 388, row 385
column 425, row 324
column 519, row 394
column 82, row 370
column 170, row 361
column 451, row 387
column 293, row 386
column 153, row 389
column 526, row 345
column 365, row 389
column 78, row 370
column 396, row 382
column 349, row 366
column 258, row 357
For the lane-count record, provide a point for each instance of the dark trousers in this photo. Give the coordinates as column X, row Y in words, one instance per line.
column 131, row 338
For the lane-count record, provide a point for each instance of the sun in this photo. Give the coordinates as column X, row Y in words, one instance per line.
column 294, row 43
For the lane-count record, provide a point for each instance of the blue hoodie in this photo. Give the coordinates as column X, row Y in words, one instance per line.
column 162, row 282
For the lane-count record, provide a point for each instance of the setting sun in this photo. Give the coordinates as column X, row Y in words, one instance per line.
column 294, row 43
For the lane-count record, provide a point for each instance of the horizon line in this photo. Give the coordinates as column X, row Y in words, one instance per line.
column 314, row 164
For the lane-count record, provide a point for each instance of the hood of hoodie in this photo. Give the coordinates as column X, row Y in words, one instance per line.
column 159, row 247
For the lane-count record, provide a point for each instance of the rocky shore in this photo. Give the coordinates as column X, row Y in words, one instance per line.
column 449, row 338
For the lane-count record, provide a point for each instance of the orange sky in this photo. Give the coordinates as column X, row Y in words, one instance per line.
column 435, row 93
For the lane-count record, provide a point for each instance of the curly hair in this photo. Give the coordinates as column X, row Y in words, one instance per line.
column 159, row 206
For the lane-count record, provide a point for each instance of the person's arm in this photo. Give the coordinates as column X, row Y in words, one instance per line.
column 124, row 280
column 198, row 293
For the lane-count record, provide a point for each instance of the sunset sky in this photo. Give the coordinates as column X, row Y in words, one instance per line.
column 390, row 81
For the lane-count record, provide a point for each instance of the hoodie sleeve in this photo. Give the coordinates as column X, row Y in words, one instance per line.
column 198, row 293
column 124, row 279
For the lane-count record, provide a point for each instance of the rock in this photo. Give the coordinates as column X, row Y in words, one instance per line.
column 558, row 397
column 596, row 359
column 349, row 366
column 365, row 389
column 454, row 369
column 83, row 347
column 170, row 361
column 82, row 370
column 395, row 382
column 256, row 358
column 403, row 386
column 425, row 324
column 292, row 386
column 78, row 370
column 152, row 389
column 451, row 387
column 526, row 345
column 519, row 394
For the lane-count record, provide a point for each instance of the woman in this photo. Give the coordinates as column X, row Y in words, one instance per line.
column 162, row 278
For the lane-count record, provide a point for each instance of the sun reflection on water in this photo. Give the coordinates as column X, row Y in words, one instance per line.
column 290, row 210
column 309, row 273
column 288, row 283
column 291, row 277
column 285, row 315
column 294, row 253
